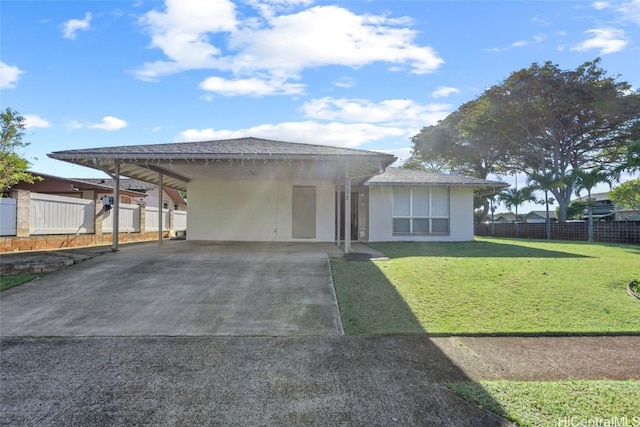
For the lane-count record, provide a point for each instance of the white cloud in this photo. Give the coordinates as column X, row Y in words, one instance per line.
column 108, row 123
column 345, row 82
column 520, row 43
column 329, row 35
column 599, row 5
column 444, row 91
column 181, row 32
column 278, row 45
column 250, row 87
column 9, row 75
column 72, row 26
column 540, row 21
column 311, row 132
column 630, row 11
column 607, row 40
column 34, row 121
column 392, row 112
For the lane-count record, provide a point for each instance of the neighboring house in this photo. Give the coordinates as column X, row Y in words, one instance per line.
column 82, row 189
column 604, row 209
column 540, row 216
column 171, row 198
column 250, row 189
column 507, row 217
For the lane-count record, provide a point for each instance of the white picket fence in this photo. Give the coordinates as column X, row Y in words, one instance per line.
column 179, row 220
column 151, row 219
column 129, row 220
column 61, row 215
column 7, row 217
column 69, row 215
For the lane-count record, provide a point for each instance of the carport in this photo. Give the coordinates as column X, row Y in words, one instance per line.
column 183, row 288
column 262, row 179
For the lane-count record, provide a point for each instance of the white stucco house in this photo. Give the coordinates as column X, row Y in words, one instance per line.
column 251, row 189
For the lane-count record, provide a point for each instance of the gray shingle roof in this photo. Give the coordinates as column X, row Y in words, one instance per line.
column 399, row 176
column 227, row 148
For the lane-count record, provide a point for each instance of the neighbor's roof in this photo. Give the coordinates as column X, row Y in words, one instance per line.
column 399, row 176
column 543, row 214
column 596, row 197
column 87, row 184
column 126, row 183
column 145, row 162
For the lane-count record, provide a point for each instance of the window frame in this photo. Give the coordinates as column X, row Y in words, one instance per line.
column 411, row 217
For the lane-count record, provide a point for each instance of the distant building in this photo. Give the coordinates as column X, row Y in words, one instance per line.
column 82, row 189
column 507, row 217
column 604, row 209
column 171, row 198
column 539, row 216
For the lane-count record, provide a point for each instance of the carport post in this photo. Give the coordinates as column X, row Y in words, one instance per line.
column 116, row 208
column 160, row 206
column 347, row 214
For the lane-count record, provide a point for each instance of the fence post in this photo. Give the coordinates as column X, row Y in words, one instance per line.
column 171, row 221
column 23, row 212
column 97, row 218
column 143, row 219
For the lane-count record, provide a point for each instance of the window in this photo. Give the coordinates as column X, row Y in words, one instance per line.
column 420, row 210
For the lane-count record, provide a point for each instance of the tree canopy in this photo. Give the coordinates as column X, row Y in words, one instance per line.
column 541, row 121
column 627, row 194
column 13, row 167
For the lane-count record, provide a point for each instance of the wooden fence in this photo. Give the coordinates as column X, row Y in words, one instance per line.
column 603, row 231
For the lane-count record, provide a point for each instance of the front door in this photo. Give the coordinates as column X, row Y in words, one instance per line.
column 354, row 215
column 304, row 212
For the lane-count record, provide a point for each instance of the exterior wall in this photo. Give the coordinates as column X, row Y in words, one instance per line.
column 381, row 219
column 152, row 199
column 254, row 210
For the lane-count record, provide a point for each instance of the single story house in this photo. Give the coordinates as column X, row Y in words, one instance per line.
column 250, row 189
column 507, row 217
column 540, row 216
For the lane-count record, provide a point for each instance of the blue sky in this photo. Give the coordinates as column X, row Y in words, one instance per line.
column 361, row 74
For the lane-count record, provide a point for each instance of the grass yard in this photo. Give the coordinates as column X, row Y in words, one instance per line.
column 558, row 402
column 491, row 286
column 7, row 282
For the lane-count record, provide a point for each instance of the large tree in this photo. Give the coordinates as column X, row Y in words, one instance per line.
column 13, row 167
column 627, row 195
column 543, row 120
column 463, row 142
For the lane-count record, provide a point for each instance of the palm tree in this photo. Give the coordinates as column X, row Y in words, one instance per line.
column 586, row 180
column 546, row 181
column 513, row 197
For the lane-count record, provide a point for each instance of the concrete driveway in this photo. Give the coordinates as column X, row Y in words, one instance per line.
column 182, row 288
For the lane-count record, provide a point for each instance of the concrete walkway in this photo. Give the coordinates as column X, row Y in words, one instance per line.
column 182, row 288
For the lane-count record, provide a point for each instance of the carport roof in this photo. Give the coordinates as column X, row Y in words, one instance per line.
column 146, row 161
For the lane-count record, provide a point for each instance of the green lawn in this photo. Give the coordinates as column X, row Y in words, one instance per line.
column 7, row 282
column 557, row 402
column 491, row 286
